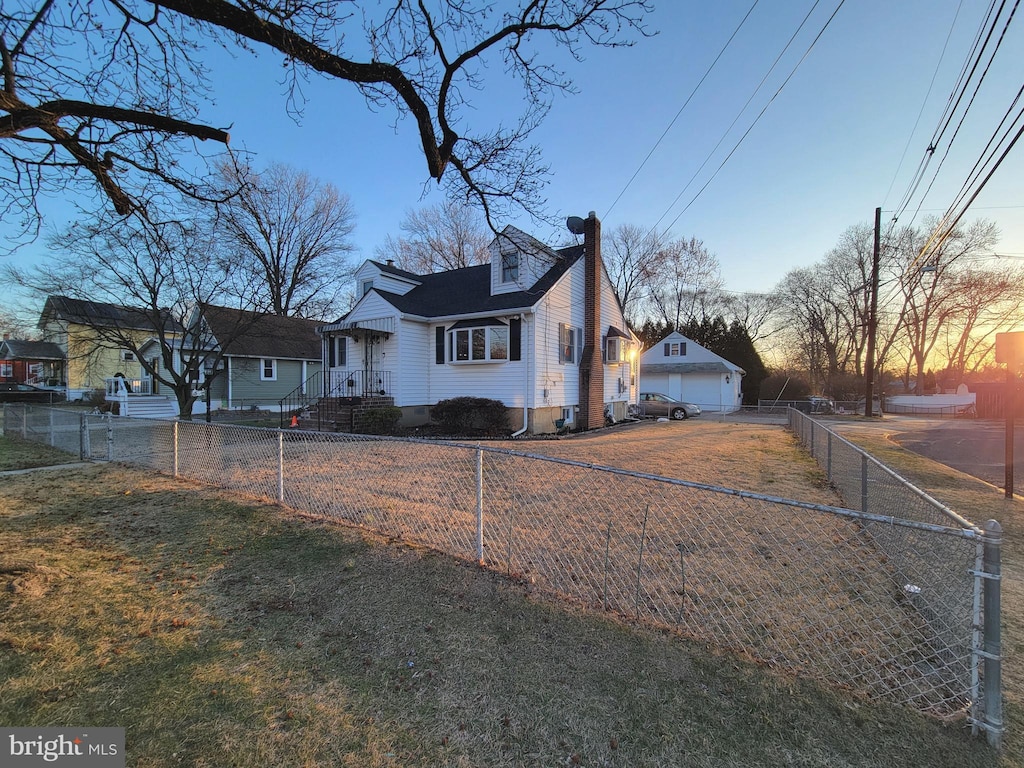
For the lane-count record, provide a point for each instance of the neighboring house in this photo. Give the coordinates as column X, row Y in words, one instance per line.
column 682, row 369
column 263, row 358
column 99, row 341
column 539, row 329
column 40, row 363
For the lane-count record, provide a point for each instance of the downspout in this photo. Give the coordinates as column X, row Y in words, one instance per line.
column 526, row 389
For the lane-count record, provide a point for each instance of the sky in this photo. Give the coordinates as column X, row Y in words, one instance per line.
column 842, row 137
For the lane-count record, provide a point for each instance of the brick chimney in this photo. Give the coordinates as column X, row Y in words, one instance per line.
column 591, row 365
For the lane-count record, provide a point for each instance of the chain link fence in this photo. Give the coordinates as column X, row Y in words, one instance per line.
column 883, row 603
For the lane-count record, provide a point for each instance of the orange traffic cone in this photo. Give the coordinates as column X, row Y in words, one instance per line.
column 295, row 421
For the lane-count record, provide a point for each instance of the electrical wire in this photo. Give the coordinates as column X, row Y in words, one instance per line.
column 680, row 112
column 975, row 182
column 754, row 123
column 974, row 95
column 924, row 102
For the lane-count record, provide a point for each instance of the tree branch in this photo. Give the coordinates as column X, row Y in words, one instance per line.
column 250, row 26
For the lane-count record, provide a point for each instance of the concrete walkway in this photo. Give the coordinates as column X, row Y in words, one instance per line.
column 74, row 465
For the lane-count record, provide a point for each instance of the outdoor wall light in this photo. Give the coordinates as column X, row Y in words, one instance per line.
column 727, row 378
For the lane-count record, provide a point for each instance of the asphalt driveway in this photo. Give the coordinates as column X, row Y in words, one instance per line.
column 974, row 446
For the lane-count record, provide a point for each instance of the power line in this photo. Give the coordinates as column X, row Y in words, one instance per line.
column 924, row 103
column 756, row 120
column 680, row 112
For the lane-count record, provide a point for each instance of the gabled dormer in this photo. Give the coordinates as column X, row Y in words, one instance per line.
column 518, row 261
column 384, row 277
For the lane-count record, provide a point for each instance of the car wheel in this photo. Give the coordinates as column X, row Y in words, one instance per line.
column 678, row 413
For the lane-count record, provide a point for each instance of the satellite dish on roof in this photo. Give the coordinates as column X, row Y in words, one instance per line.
column 575, row 225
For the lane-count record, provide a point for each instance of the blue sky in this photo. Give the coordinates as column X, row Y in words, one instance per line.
column 822, row 157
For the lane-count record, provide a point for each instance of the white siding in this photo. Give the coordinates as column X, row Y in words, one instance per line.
column 709, row 390
column 381, row 280
column 535, row 259
column 369, row 307
column 611, row 314
column 562, row 304
column 497, row 381
column 414, row 363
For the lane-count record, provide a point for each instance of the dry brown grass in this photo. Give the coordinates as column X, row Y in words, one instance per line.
column 751, row 457
column 978, row 501
column 224, row 633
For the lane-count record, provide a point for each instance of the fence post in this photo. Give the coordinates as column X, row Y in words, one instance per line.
column 480, row 506
column 280, row 467
column 828, row 463
column 53, row 435
column 175, row 449
column 24, row 422
column 110, row 436
column 863, row 482
column 811, row 451
column 84, row 449
column 993, row 645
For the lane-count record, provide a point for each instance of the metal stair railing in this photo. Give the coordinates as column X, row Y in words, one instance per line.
column 304, row 396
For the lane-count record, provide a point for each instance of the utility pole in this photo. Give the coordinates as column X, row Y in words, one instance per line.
column 869, row 364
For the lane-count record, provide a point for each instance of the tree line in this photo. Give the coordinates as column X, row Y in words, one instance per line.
column 940, row 310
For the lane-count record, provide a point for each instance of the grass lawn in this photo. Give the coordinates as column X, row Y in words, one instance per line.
column 23, row 454
column 224, row 633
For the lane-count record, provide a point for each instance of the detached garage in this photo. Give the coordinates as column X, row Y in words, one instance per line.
column 682, row 369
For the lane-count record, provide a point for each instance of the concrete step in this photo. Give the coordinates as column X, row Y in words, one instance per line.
column 151, row 407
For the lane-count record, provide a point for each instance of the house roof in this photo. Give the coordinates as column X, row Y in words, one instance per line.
column 649, row 369
column 100, row 314
column 468, row 290
column 20, row 349
column 391, row 269
column 248, row 334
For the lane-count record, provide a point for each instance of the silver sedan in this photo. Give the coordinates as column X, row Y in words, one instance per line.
column 657, row 404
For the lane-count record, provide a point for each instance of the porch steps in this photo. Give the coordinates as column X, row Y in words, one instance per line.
column 150, row 407
column 340, row 414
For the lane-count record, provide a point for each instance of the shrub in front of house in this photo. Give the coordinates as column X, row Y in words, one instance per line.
column 380, row 421
column 470, row 416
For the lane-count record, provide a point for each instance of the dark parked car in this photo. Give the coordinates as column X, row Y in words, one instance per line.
column 26, row 393
column 657, row 404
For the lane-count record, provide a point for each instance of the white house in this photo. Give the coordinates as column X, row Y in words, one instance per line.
column 681, row 368
column 539, row 329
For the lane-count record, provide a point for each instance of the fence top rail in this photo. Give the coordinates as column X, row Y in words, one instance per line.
column 966, row 531
column 938, row 505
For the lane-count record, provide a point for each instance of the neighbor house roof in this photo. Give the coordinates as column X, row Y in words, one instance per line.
column 468, row 290
column 100, row 314
column 248, row 334
column 20, row 349
column 709, row 367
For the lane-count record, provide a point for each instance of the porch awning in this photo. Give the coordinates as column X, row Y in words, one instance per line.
column 351, row 327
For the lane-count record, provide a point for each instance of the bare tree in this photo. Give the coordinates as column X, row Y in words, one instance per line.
column 929, row 288
column 450, row 235
column 285, row 237
column 991, row 300
column 756, row 312
column 108, row 91
column 687, row 284
column 634, row 257
column 16, row 327
column 159, row 276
